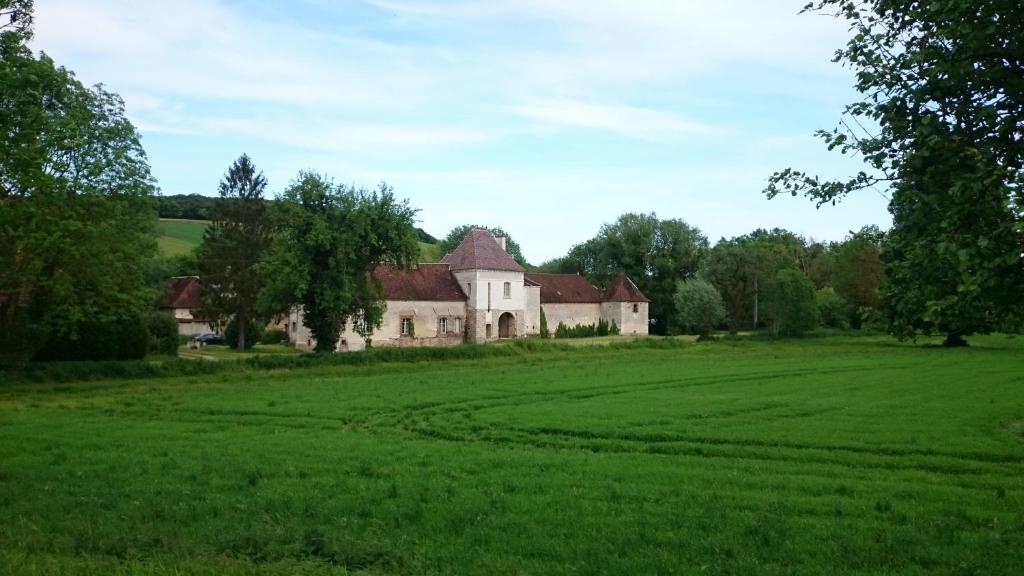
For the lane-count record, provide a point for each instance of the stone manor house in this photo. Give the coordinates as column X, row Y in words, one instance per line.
column 480, row 293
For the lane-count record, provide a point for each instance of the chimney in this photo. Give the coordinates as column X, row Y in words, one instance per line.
column 501, row 242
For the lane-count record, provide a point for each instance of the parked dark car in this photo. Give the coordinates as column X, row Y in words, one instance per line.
column 204, row 339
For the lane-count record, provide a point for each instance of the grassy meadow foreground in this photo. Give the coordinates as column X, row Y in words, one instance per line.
column 841, row 455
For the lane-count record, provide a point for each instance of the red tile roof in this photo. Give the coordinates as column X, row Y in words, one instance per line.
column 183, row 292
column 480, row 251
column 430, row 282
column 564, row 288
column 622, row 289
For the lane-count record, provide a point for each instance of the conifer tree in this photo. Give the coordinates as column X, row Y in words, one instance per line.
column 233, row 245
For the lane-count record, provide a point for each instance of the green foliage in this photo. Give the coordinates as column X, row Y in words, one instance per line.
column 654, row 253
column 233, row 245
column 119, row 339
column 561, row 331
column 274, row 336
column 741, row 267
column 544, row 332
column 860, row 272
column 579, row 330
column 75, row 201
column 789, row 303
column 327, row 240
column 944, row 91
column 186, row 206
column 455, row 237
column 602, row 328
column 751, row 444
column 253, row 332
column 163, row 334
column 162, row 268
column 614, row 329
column 698, row 306
column 16, row 18
column 833, row 310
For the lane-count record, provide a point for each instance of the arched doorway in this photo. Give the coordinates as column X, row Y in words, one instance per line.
column 506, row 325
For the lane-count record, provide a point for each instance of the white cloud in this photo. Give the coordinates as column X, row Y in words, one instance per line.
column 635, row 122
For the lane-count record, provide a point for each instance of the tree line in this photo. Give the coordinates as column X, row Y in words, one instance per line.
column 772, row 279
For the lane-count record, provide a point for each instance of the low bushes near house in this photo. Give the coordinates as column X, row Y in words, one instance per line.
column 602, row 328
column 274, row 336
column 253, row 333
column 163, row 334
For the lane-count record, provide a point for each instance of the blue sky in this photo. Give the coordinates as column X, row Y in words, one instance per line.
column 547, row 118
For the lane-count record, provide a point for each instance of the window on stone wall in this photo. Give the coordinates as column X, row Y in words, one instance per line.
column 442, row 326
column 458, row 326
column 295, row 327
column 406, row 326
column 508, row 289
column 636, row 308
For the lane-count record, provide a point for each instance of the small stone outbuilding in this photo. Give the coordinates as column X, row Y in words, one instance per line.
column 182, row 299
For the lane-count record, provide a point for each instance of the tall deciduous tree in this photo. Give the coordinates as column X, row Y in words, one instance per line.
column 654, row 253
column 942, row 82
column 455, row 237
column 233, row 244
column 328, row 238
column 77, row 223
column 790, row 304
column 16, row 16
column 741, row 267
column 859, row 272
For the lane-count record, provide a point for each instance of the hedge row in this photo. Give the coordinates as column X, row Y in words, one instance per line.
column 139, row 369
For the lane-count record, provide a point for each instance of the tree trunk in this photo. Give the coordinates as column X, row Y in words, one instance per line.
column 954, row 339
column 241, row 333
column 755, row 302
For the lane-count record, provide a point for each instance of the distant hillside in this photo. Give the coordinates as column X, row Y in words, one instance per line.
column 197, row 207
column 182, row 236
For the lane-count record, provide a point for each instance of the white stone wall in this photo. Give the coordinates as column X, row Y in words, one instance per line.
column 531, row 314
column 194, row 328
column 424, row 314
column 571, row 314
column 476, row 284
column 628, row 321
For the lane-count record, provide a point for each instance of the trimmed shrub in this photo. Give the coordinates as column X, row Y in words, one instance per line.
column 274, row 336
column 614, row 329
column 544, row 332
column 163, row 334
column 602, row 327
column 578, row 331
column 253, row 332
column 561, row 331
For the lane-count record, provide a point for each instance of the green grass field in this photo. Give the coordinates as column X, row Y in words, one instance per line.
column 178, row 237
column 833, row 455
